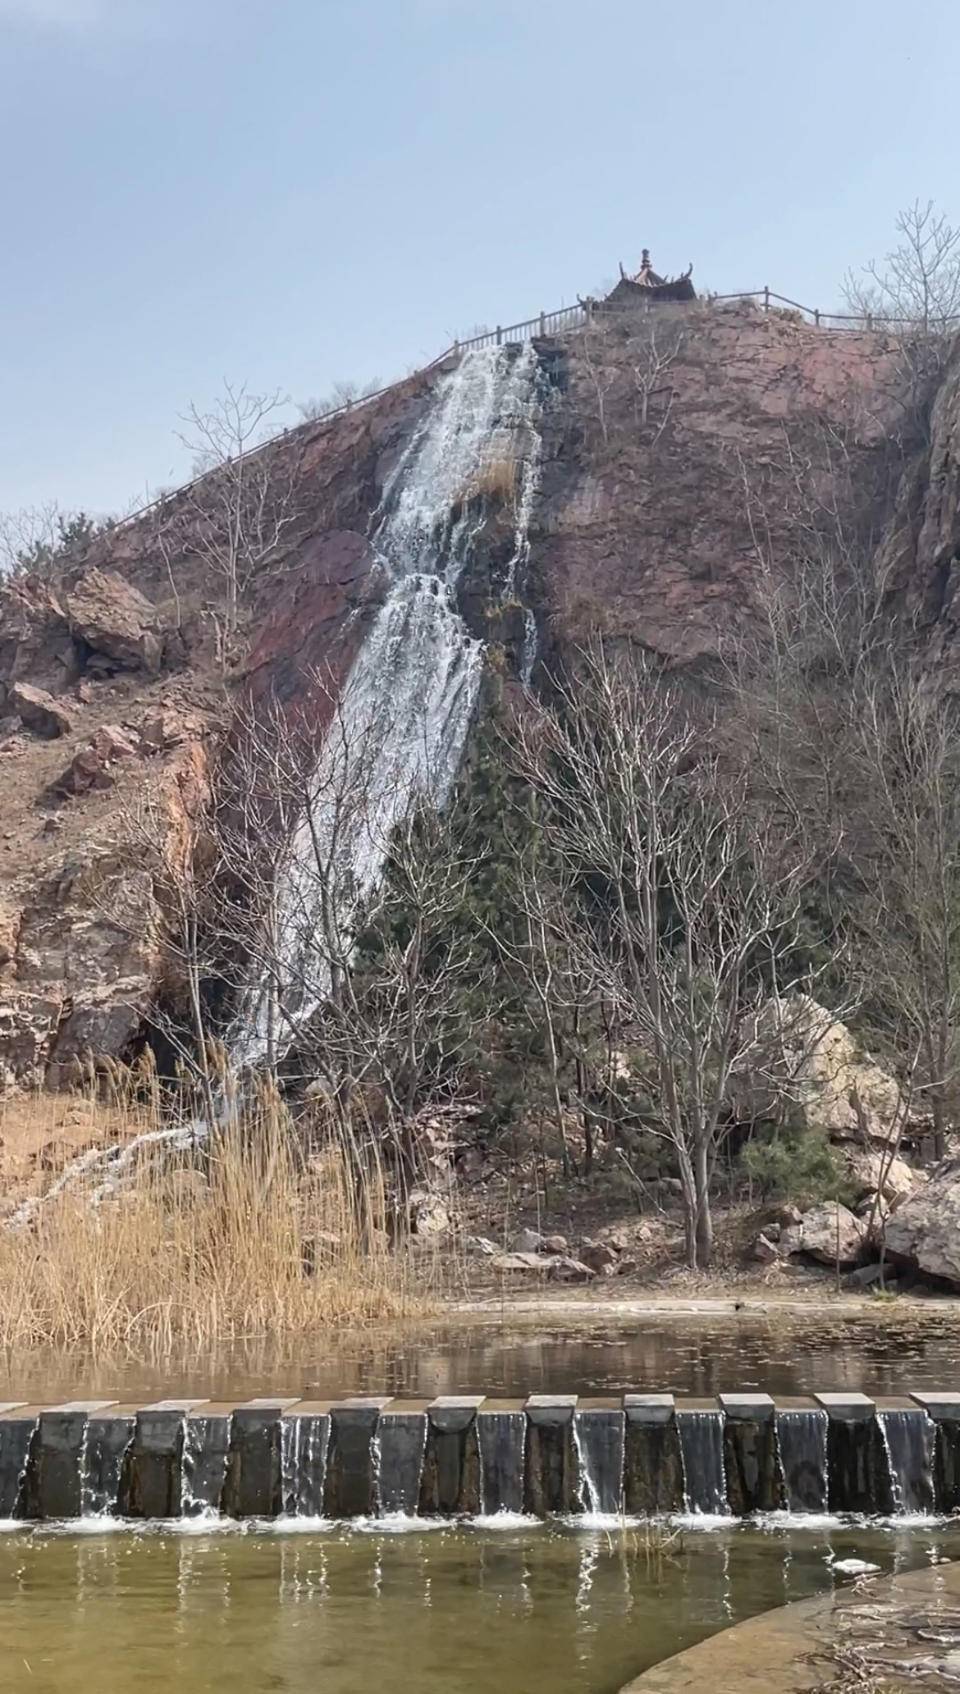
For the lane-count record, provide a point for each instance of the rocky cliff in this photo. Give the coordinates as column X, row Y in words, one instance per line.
column 686, row 454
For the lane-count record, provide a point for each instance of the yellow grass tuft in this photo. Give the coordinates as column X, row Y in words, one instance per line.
column 245, row 1238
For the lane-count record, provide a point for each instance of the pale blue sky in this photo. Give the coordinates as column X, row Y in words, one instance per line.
column 291, row 192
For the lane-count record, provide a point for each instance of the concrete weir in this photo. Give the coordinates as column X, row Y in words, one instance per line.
column 640, row 1455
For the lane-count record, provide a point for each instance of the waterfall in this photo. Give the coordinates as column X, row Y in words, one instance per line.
column 203, row 1471
column 402, row 1445
column 402, row 717
column 909, row 1438
column 303, row 1464
column 528, row 657
column 598, row 1438
column 109, row 1164
column 502, row 1438
column 701, row 1452
column 17, row 1439
column 802, row 1446
column 106, row 1443
column 405, row 709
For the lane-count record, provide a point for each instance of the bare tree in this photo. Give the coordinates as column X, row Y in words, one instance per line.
column 595, row 354
column 907, row 738
column 918, row 282
column 37, row 538
column 684, row 918
column 839, row 725
column 914, row 295
column 339, row 903
column 237, row 514
column 340, row 397
column 653, row 350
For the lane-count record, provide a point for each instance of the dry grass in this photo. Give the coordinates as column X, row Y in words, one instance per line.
column 246, row 1238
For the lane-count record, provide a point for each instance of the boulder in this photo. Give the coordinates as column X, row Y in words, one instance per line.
column 925, row 1228
column 764, row 1250
column 9, row 930
column 555, row 1244
column 429, row 1214
column 480, row 1244
column 597, row 1254
column 804, row 1061
column 829, row 1233
column 28, row 1029
column 94, row 766
column 557, row 1267
column 114, row 622
column 169, row 727
column 871, row 1171
column 527, row 1241
column 35, row 640
column 39, row 710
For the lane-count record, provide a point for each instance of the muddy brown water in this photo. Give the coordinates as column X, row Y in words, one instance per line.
column 444, row 1609
column 685, row 1352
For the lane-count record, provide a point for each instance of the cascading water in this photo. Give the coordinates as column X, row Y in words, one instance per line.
column 203, row 1467
column 802, row 1447
column 106, row 1442
column 598, row 1438
column 502, row 1439
column 402, row 719
column 406, row 707
column 303, row 1463
column 909, row 1438
column 701, row 1452
column 17, row 1440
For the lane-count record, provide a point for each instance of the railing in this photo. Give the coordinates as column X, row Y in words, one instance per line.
column 567, row 320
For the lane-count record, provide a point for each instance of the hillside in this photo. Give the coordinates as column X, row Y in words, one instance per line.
column 308, row 636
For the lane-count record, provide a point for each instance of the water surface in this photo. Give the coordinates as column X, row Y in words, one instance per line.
column 533, row 1610
column 685, row 1352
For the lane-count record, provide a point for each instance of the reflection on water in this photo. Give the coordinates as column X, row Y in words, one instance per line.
column 688, row 1353
column 446, row 1611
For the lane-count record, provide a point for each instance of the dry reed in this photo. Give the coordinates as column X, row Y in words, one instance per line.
column 246, row 1237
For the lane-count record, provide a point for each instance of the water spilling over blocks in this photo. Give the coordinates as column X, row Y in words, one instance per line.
column 643, row 1455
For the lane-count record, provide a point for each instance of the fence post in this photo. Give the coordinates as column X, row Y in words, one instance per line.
column 543, row 324
column 869, row 320
column 816, row 317
column 499, row 336
column 766, row 298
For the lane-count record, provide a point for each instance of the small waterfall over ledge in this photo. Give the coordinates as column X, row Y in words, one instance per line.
column 405, row 710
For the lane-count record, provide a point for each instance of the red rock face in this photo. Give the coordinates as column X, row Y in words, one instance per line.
column 666, row 496
column 306, row 644
column 660, row 527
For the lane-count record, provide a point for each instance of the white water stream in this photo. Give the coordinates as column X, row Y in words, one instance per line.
column 405, row 710
column 402, row 718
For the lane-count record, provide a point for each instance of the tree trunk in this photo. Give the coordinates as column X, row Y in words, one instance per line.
column 689, row 1194
column 704, row 1224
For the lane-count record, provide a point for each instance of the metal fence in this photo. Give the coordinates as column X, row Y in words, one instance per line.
column 567, row 320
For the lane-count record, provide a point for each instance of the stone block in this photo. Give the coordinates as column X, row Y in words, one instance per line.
column 649, row 1408
column 550, row 1409
column 451, row 1413
column 942, row 1405
column 848, row 1407
column 751, row 1408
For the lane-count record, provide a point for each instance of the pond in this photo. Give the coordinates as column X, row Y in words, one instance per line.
column 444, row 1608
column 684, row 1353
column 528, row 1610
